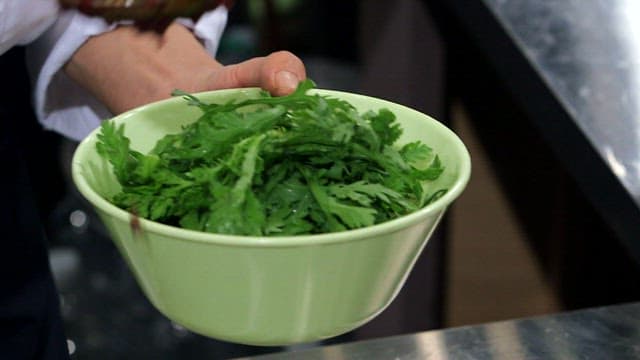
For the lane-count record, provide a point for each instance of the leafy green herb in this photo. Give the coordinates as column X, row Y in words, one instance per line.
column 296, row 164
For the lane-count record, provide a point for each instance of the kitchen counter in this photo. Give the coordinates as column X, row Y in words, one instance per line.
column 611, row 332
column 574, row 66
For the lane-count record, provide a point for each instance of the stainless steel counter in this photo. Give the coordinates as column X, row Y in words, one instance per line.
column 601, row 333
column 574, row 66
column 588, row 54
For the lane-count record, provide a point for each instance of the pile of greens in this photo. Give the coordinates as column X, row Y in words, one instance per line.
column 296, row 164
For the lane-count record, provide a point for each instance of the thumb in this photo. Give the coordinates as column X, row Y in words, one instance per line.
column 279, row 73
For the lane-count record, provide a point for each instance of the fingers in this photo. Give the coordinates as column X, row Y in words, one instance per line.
column 279, row 73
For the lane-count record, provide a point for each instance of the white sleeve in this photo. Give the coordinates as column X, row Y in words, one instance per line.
column 61, row 104
column 21, row 21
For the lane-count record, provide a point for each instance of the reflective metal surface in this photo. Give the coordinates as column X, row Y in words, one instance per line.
column 602, row 333
column 588, row 54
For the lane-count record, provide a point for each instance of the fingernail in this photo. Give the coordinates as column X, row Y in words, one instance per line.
column 286, row 81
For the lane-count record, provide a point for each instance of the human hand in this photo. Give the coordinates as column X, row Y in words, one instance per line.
column 126, row 68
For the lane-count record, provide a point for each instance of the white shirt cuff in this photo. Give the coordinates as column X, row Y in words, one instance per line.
column 23, row 21
column 64, row 106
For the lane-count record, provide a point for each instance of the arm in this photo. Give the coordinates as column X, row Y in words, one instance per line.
column 85, row 70
column 126, row 68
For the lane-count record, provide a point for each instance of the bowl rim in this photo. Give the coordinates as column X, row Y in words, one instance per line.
column 169, row 231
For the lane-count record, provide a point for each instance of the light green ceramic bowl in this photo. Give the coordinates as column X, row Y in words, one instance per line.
column 275, row 290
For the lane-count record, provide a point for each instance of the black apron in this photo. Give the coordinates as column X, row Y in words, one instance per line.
column 30, row 322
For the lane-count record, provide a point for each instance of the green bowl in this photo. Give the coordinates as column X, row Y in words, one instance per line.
column 268, row 290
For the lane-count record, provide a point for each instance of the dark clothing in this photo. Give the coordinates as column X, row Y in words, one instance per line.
column 30, row 322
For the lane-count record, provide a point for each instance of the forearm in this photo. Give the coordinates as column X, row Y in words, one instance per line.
column 62, row 104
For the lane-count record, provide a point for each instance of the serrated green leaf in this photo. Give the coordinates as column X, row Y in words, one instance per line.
column 301, row 163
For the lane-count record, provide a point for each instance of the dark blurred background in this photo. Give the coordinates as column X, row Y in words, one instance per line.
column 521, row 241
